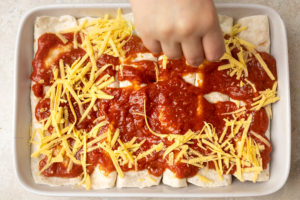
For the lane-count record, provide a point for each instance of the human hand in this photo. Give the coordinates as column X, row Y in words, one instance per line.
column 180, row 27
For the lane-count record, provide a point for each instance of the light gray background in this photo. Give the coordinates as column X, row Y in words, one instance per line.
column 11, row 12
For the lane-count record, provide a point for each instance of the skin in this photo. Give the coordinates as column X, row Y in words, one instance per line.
column 188, row 28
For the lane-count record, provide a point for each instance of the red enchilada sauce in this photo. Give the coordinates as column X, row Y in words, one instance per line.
column 171, row 104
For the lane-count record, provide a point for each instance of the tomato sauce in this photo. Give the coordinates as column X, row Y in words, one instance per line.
column 133, row 46
column 144, row 72
column 173, row 106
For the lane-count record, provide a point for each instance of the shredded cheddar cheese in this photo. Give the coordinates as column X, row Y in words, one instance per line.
column 164, row 61
column 82, row 83
column 204, row 179
column 265, row 98
column 238, row 66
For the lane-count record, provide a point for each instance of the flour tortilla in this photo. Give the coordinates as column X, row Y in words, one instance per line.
column 265, row 174
column 196, row 79
column 40, row 179
column 144, row 56
column 226, row 23
column 129, row 17
column 257, row 32
column 132, row 178
column 189, row 78
column 138, row 179
column 47, row 24
column 215, row 97
column 170, row 179
column 212, row 176
column 43, row 25
column 80, row 21
column 101, row 180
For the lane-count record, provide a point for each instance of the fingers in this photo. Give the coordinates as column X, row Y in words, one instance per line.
column 188, row 27
column 152, row 45
column 193, row 51
column 172, row 49
column 213, row 45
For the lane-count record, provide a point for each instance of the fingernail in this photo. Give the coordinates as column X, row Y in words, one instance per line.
column 195, row 63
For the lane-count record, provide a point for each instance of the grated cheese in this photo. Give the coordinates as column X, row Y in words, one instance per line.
column 204, row 179
column 265, row 98
column 239, row 67
column 105, row 35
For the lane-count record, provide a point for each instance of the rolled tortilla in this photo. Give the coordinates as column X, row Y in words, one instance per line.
column 170, row 179
column 144, row 56
column 226, row 23
column 45, row 24
column 189, row 78
column 40, row 179
column 129, row 17
column 265, row 174
column 199, row 78
column 82, row 20
column 209, row 177
column 101, row 180
column 124, row 84
column 138, row 179
column 257, row 32
column 215, row 97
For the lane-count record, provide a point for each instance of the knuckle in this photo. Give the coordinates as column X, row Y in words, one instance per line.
column 144, row 33
column 139, row 26
column 165, row 30
column 210, row 21
column 185, row 28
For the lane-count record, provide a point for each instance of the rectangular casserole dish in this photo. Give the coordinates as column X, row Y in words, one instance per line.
column 280, row 125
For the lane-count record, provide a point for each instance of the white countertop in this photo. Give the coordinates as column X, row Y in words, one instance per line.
column 11, row 12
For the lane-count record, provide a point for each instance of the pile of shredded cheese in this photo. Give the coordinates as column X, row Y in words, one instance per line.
column 239, row 67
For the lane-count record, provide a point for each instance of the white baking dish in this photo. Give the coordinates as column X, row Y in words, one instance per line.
column 280, row 127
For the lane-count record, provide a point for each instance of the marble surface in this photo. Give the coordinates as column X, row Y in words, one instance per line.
column 11, row 12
